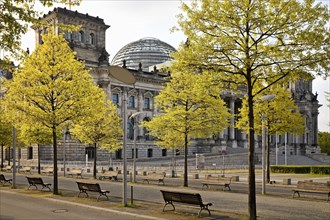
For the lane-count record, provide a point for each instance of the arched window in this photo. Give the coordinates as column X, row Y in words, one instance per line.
column 91, row 39
column 81, row 36
column 90, row 153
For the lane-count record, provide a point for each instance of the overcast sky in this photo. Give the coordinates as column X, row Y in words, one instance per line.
column 132, row 20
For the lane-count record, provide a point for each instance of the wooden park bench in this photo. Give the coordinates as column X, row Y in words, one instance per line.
column 159, row 177
column 186, row 198
column 92, row 187
column 109, row 175
column 25, row 170
column 312, row 187
column 217, row 181
column 75, row 172
column 48, row 171
column 3, row 180
column 7, row 168
column 35, row 181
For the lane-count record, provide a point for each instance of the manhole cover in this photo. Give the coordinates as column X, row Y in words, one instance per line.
column 60, row 210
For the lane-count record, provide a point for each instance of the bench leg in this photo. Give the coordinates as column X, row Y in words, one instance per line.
column 83, row 192
column 46, row 186
column 294, row 192
column 161, row 181
column 166, row 203
column 102, row 194
column 207, row 186
column 203, row 208
column 227, row 186
column 32, row 185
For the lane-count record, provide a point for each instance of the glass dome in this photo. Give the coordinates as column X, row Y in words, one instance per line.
column 147, row 51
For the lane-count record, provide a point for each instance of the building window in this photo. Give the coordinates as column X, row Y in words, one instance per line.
column 136, row 154
column 115, row 99
column 149, row 152
column 90, row 153
column 130, row 128
column 30, row 153
column 146, row 103
column 69, row 36
column 118, row 154
column 131, row 101
column 40, row 37
column 164, row 152
column 91, row 39
column 81, row 36
column 145, row 131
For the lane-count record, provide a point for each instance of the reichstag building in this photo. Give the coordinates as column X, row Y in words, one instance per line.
column 143, row 58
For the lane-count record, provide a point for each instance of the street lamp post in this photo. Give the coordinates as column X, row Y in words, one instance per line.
column 263, row 150
column 134, row 116
column 124, row 76
column 64, row 149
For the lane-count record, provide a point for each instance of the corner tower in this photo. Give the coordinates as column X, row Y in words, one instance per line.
column 88, row 42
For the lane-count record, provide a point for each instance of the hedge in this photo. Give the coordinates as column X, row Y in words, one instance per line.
column 301, row 169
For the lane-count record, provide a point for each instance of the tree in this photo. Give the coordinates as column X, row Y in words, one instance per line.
column 53, row 89
column 190, row 107
column 254, row 44
column 281, row 115
column 324, row 142
column 100, row 129
column 35, row 133
column 16, row 16
column 6, row 130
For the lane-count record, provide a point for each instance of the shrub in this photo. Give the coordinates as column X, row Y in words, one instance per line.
column 301, row 169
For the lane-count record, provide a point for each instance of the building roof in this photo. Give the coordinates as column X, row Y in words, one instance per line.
column 145, row 52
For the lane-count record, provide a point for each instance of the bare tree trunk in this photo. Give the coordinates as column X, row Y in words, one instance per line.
column 252, row 205
column 9, row 155
column 94, row 170
column 39, row 159
column 185, row 180
column 2, row 157
column 55, row 177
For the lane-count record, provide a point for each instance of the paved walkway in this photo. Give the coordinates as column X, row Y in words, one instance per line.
column 226, row 205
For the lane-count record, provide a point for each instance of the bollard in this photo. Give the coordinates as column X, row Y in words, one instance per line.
column 287, row 181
